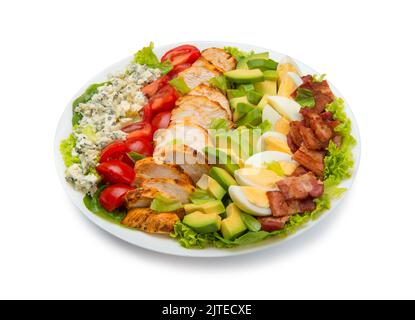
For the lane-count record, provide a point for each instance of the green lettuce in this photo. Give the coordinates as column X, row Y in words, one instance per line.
column 220, row 82
column 238, row 54
column 189, row 238
column 180, row 85
column 305, row 97
column 66, row 148
column 146, row 56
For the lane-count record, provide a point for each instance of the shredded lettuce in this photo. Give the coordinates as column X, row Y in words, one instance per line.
column 146, row 56
column 238, row 54
column 339, row 162
column 305, row 97
column 318, row 77
column 220, row 82
column 180, row 85
column 66, row 148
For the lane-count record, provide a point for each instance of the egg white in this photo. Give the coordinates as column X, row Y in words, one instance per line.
column 239, row 198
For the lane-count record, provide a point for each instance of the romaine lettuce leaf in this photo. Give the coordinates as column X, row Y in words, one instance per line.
column 66, row 148
column 305, row 97
column 238, row 54
column 147, row 57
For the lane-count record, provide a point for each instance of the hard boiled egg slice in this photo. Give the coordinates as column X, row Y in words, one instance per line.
column 251, row 200
column 261, row 159
column 273, row 141
column 257, row 178
column 289, row 83
column 286, row 65
column 286, row 107
column 278, row 122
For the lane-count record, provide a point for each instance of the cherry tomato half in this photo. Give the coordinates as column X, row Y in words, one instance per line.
column 112, row 197
column 140, row 145
column 164, row 99
column 116, row 171
column 182, row 54
column 161, row 120
column 113, row 151
column 152, row 88
column 142, row 129
column 179, row 68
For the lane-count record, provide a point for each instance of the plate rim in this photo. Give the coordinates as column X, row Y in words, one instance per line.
column 211, row 252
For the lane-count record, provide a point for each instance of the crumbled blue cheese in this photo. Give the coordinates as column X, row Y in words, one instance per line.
column 115, row 105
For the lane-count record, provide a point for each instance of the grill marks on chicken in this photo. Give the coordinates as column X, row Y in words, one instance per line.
column 150, row 221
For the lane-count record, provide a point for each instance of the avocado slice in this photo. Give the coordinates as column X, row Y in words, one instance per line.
column 235, row 101
column 254, row 97
column 223, row 177
column 233, row 93
column 246, row 87
column 253, row 118
column 271, row 75
column 262, row 64
column 211, row 186
column 233, row 225
column 243, row 64
column 202, row 222
column 241, row 110
column 221, row 158
column 245, row 76
column 266, row 87
column 214, row 206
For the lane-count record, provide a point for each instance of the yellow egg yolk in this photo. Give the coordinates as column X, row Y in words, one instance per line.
column 261, row 177
column 287, row 87
column 282, row 70
column 288, row 167
column 274, row 144
column 256, row 197
column 282, row 126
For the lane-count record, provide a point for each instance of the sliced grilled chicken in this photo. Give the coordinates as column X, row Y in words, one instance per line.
column 186, row 133
column 220, row 59
column 212, row 94
column 148, row 168
column 171, row 188
column 200, row 72
column 147, row 220
column 200, row 110
column 192, row 162
column 136, row 199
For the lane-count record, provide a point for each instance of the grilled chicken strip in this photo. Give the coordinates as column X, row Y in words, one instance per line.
column 191, row 161
column 220, row 59
column 186, row 132
column 212, row 94
column 147, row 220
column 200, row 72
column 200, row 110
column 148, row 168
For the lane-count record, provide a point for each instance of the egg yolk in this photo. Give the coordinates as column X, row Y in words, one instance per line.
column 282, row 70
column 288, row 167
column 282, row 126
column 256, row 197
column 273, row 144
column 261, row 177
column 287, row 86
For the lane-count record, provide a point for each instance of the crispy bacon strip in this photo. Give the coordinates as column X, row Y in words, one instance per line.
column 299, row 171
column 273, row 223
column 310, row 139
column 321, row 91
column 312, row 160
column 285, row 208
column 302, row 187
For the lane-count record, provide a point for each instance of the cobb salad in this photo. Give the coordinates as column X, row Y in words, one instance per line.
column 218, row 147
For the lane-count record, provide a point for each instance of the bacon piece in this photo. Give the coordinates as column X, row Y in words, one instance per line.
column 299, row 171
column 321, row 91
column 323, row 131
column 310, row 139
column 312, row 160
column 295, row 132
column 301, row 187
column 291, row 144
column 273, row 223
column 283, row 208
column 279, row 207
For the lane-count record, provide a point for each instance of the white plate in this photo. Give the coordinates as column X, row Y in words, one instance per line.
column 164, row 244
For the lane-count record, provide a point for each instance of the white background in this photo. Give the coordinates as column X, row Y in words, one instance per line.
column 364, row 250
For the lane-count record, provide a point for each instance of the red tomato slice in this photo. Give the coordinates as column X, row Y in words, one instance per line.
column 115, row 171
column 147, row 113
column 139, row 129
column 112, row 197
column 179, row 68
column 140, row 145
column 182, row 54
column 161, row 120
column 152, row 88
column 113, row 151
column 164, row 99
